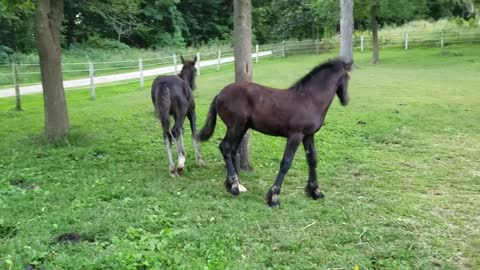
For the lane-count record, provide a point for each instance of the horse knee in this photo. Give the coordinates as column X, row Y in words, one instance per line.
column 285, row 165
column 176, row 132
column 312, row 161
column 225, row 148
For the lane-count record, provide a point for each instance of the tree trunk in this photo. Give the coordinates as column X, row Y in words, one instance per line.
column 16, row 82
column 374, row 25
column 243, row 61
column 346, row 29
column 48, row 20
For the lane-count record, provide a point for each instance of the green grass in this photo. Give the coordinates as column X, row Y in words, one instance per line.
column 399, row 166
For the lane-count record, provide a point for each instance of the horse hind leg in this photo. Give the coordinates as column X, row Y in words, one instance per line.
column 177, row 133
column 165, row 121
column 232, row 181
column 235, row 156
column 198, row 155
column 229, row 147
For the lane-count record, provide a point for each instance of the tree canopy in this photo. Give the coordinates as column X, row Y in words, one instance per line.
column 154, row 24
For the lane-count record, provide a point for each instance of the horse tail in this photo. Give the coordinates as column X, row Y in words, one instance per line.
column 209, row 127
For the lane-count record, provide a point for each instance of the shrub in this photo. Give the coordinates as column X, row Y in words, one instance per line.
column 96, row 41
column 5, row 54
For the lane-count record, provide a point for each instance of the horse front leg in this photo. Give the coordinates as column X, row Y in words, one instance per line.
column 273, row 195
column 198, row 156
column 312, row 189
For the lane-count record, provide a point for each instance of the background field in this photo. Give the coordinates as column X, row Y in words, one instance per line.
column 399, row 166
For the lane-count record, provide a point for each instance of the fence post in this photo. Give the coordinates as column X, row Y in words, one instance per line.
column 18, row 103
column 406, row 41
column 283, row 48
column 256, row 53
column 219, row 59
column 198, row 63
column 140, row 72
column 175, row 68
column 442, row 41
column 362, row 44
column 92, row 83
column 317, row 46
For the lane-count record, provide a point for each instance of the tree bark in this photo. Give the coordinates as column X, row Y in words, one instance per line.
column 242, row 28
column 48, row 20
column 374, row 25
column 346, row 29
column 16, row 82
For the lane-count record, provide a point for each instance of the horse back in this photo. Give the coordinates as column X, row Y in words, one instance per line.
column 172, row 92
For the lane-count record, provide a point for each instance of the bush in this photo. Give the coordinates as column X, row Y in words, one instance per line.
column 96, row 41
column 5, row 54
column 473, row 23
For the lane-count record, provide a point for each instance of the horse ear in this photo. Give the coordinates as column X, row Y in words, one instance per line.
column 194, row 60
column 183, row 61
column 348, row 65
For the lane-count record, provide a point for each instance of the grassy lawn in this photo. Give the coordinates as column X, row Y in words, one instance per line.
column 400, row 168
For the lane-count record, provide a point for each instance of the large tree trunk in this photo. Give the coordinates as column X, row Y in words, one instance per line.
column 48, row 20
column 346, row 29
column 374, row 25
column 243, row 61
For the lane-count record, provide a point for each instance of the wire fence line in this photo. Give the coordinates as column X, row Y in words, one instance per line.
column 90, row 74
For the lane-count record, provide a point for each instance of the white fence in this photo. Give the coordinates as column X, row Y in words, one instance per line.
column 133, row 71
column 91, row 74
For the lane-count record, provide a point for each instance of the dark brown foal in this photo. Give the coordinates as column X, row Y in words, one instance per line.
column 296, row 113
column 172, row 96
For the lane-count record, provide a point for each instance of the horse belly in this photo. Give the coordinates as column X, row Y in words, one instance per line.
column 268, row 126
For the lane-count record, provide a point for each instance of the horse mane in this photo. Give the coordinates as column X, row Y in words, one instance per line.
column 331, row 64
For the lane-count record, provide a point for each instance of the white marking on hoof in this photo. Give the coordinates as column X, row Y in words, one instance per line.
column 181, row 162
column 241, row 188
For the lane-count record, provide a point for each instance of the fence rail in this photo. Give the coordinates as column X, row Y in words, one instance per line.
column 91, row 73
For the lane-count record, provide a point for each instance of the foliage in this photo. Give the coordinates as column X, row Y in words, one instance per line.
column 96, row 41
column 399, row 167
column 16, row 24
column 5, row 54
column 179, row 23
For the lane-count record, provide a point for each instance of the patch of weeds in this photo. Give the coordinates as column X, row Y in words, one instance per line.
column 74, row 238
column 23, row 184
column 7, row 231
column 98, row 153
column 139, row 249
column 451, row 53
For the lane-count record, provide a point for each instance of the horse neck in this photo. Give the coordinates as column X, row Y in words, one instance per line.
column 322, row 89
column 186, row 78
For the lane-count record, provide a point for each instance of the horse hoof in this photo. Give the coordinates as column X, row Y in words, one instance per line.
column 173, row 174
column 314, row 193
column 179, row 170
column 274, row 206
column 273, row 199
column 241, row 188
column 235, row 191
